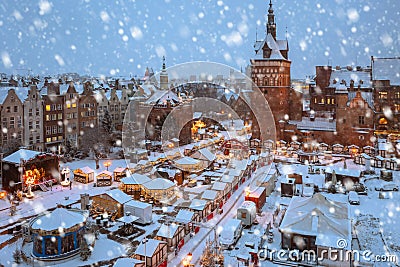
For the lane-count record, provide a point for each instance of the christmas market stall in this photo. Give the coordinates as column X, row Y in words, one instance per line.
column 119, row 173
column 187, row 218
column 160, row 189
column 111, row 202
column 153, row 252
column 132, row 185
column 27, row 169
column 173, row 234
column 84, row 175
column 58, row 234
column 104, row 178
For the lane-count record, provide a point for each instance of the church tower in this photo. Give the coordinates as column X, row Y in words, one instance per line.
column 164, row 77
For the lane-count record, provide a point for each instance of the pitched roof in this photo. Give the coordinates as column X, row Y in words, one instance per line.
column 118, row 196
column 23, row 154
column 147, row 247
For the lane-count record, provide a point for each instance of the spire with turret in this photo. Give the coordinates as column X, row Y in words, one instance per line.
column 271, row 26
column 163, row 77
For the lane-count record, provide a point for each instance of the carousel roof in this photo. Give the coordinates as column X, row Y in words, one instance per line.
column 59, row 218
column 159, row 184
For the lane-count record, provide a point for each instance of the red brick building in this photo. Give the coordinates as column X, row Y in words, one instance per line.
column 270, row 72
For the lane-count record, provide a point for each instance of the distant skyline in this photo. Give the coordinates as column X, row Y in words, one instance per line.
column 122, row 38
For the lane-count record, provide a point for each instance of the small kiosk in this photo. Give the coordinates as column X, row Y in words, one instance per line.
column 119, row 173
column 84, row 175
column 104, row 178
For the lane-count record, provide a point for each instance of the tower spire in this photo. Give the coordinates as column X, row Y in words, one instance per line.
column 271, row 26
column 163, row 62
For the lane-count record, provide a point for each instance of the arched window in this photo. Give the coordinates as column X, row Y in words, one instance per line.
column 383, row 121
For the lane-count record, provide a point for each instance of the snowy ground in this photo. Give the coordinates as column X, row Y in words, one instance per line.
column 387, row 210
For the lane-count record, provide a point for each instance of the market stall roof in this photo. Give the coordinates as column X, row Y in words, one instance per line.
column 118, row 196
column 135, row 178
column 204, row 154
column 184, row 216
column 168, row 231
column 60, row 217
column 105, row 172
column 159, row 184
column 198, row 204
column 119, row 169
column 23, row 154
column 187, row 161
column 218, row 186
column 86, row 170
column 209, row 195
column 148, row 248
column 344, row 172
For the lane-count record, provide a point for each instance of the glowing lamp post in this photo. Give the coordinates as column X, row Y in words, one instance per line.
column 107, row 164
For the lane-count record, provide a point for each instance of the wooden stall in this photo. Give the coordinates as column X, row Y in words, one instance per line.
column 84, row 175
column 153, row 251
column 111, row 202
column 119, row 173
column 104, row 178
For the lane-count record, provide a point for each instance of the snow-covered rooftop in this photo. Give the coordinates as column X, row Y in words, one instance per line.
column 209, row 195
column 119, row 196
column 135, row 178
column 148, row 247
column 59, row 218
column 137, row 204
column 23, row 154
column 319, row 124
column 318, row 216
column 184, row 216
column 168, row 231
column 159, row 184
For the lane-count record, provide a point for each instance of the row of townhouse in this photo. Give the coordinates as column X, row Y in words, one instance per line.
column 44, row 116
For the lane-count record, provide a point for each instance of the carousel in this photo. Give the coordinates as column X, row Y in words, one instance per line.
column 58, row 234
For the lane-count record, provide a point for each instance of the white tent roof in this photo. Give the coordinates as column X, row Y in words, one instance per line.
column 317, row 216
column 344, row 172
column 24, row 154
column 59, row 217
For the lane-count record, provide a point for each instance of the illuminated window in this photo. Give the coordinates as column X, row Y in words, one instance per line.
column 48, row 107
column 68, row 104
column 397, row 95
column 74, row 105
column 333, row 101
column 397, row 107
column 383, row 95
column 48, row 139
column 328, row 101
column 47, row 117
column 382, row 121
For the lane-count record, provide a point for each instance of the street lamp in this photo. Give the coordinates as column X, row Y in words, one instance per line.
column 107, row 164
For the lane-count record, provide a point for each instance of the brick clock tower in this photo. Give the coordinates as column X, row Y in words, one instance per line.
column 270, row 71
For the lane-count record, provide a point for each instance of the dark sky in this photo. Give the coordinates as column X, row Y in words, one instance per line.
column 121, row 38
